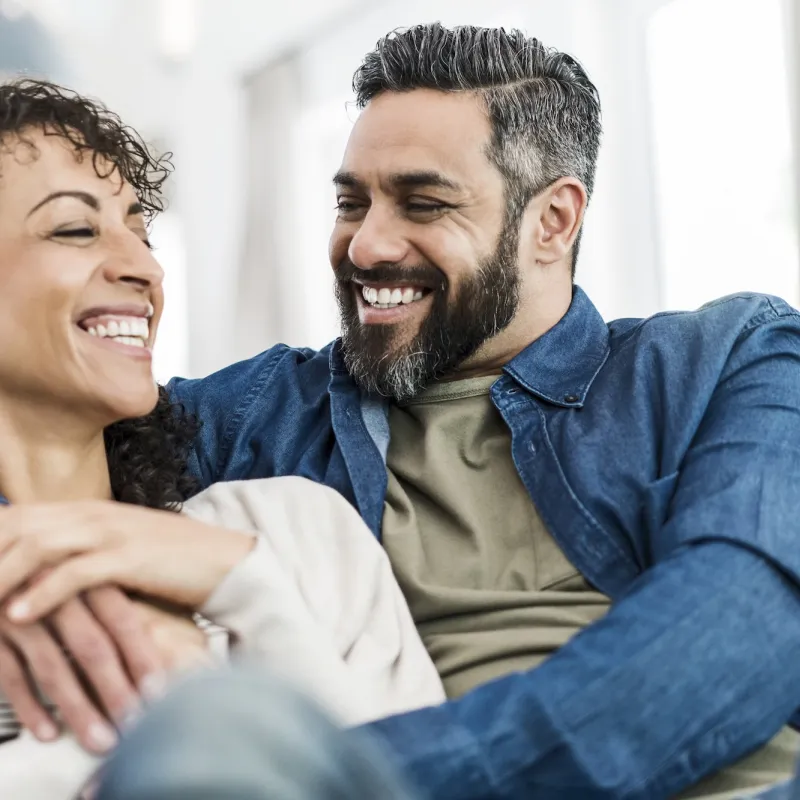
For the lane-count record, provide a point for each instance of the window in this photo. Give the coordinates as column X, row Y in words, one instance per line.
column 723, row 150
column 171, row 356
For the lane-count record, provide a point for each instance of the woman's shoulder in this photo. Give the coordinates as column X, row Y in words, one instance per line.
column 289, row 501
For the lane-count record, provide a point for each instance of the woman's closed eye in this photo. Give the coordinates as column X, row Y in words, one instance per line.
column 75, row 233
column 91, row 233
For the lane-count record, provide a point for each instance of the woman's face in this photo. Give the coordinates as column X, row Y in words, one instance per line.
column 80, row 292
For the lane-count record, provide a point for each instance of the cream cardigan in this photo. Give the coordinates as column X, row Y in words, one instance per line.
column 315, row 601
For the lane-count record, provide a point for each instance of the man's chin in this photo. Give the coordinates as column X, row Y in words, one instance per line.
column 381, row 341
column 398, row 374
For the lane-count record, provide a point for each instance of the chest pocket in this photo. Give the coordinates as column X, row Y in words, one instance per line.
column 553, row 571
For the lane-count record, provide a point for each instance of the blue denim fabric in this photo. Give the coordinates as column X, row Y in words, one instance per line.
column 664, row 457
column 243, row 735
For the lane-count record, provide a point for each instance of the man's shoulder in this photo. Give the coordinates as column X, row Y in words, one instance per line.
column 719, row 322
column 259, row 416
column 248, row 378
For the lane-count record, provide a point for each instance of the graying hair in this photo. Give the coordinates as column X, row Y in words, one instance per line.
column 543, row 109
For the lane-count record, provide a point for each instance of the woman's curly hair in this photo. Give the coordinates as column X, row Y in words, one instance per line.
column 147, row 456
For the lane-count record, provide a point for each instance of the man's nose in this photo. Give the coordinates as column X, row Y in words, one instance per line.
column 379, row 240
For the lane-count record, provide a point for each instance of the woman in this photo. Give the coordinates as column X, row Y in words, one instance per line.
column 83, row 423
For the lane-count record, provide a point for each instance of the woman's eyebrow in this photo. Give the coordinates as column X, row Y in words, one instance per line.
column 84, row 197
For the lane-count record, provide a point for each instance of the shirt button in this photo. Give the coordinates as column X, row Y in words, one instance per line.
column 513, row 391
column 570, row 398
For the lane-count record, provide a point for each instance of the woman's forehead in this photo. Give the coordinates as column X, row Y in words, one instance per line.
column 37, row 162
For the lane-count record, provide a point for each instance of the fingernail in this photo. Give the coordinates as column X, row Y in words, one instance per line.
column 154, row 685
column 18, row 610
column 46, row 732
column 102, row 737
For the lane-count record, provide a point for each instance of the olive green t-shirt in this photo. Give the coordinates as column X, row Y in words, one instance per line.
column 489, row 589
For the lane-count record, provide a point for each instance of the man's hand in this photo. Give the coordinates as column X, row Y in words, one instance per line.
column 113, row 650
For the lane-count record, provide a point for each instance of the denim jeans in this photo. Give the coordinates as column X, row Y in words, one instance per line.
column 784, row 791
column 244, row 735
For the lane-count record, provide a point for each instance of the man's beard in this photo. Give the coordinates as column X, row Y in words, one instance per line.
column 484, row 305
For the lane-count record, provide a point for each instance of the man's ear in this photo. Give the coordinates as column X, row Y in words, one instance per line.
column 560, row 214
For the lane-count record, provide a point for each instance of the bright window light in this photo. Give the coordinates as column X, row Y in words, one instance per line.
column 723, row 150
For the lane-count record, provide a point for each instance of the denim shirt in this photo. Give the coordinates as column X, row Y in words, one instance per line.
column 663, row 454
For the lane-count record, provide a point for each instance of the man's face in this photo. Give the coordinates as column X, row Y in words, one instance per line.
column 424, row 257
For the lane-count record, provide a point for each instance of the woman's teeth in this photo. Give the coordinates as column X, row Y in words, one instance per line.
column 390, row 298
column 133, row 331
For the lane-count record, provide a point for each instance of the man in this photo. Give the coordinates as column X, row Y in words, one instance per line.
column 594, row 525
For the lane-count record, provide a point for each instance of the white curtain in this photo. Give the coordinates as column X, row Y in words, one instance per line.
column 269, row 302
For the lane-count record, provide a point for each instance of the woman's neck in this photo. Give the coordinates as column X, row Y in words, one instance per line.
column 49, row 456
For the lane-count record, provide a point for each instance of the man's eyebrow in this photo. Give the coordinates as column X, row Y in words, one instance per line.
column 415, row 179
column 421, row 178
column 347, row 180
column 134, row 209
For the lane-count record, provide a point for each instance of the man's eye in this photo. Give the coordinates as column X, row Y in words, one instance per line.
column 422, row 208
column 347, row 208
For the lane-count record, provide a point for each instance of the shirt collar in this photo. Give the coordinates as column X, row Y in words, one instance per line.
column 562, row 363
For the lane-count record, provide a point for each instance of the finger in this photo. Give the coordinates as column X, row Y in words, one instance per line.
column 14, row 520
column 53, row 674
column 93, row 649
column 62, row 583
column 15, row 567
column 33, row 553
column 121, row 617
column 19, row 693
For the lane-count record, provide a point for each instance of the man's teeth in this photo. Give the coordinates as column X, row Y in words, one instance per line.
column 390, row 298
column 134, row 331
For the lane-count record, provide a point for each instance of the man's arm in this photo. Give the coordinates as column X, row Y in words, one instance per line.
column 234, row 407
column 694, row 668
column 697, row 665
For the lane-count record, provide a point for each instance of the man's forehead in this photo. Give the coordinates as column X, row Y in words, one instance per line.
column 412, row 133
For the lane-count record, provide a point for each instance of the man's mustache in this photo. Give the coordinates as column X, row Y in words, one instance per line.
column 421, row 275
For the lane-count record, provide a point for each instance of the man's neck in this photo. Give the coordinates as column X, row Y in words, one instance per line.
column 536, row 315
column 50, row 456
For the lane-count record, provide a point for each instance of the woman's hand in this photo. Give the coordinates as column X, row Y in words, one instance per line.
column 84, row 544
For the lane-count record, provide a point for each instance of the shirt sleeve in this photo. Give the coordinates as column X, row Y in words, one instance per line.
column 293, row 606
column 239, row 410
column 693, row 669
